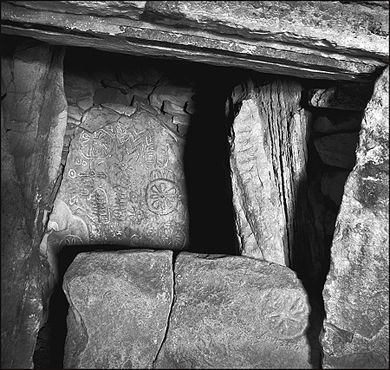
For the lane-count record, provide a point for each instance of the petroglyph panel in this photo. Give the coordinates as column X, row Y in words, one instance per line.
column 125, row 180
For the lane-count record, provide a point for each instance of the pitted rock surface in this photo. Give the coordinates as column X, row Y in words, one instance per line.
column 119, row 307
column 235, row 312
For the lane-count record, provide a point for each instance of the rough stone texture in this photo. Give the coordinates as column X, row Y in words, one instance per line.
column 269, row 183
column 235, row 312
column 261, row 222
column 344, row 96
column 333, row 122
column 34, row 114
column 21, row 304
column 119, row 304
column 97, row 117
column 111, row 95
column 123, row 184
column 332, row 185
column 332, row 40
column 338, row 150
column 78, row 87
column 356, row 293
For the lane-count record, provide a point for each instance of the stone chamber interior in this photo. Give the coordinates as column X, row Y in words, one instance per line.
column 195, row 104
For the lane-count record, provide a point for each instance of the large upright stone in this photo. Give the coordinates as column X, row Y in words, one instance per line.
column 356, row 293
column 268, row 163
column 119, row 308
column 33, row 121
column 20, row 309
column 235, row 312
column 35, row 112
column 261, row 222
column 123, row 184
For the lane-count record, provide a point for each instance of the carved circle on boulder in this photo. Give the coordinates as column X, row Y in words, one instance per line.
column 284, row 314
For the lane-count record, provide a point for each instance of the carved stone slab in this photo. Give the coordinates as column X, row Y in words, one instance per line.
column 124, row 182
column 119, row 307
column 235, row 312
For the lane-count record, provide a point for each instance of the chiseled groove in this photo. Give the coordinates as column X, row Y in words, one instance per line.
column 170, row 311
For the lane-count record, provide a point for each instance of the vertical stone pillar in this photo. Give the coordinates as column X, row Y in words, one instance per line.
column 33, row 125
column 268, row 164
column 356, row 292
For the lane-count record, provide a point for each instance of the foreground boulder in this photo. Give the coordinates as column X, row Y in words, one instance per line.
column 235, row 312
column 356, row 293
column 119, row 307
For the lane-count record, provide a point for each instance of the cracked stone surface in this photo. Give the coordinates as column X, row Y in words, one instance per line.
column 135, row 309
column 235, row 312
column 356, row 292
column 119, row 303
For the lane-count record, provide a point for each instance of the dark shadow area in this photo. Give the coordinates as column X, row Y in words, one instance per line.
column 207, row 168
column 312, row 264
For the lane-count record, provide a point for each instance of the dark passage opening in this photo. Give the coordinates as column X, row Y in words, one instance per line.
column 207, row 168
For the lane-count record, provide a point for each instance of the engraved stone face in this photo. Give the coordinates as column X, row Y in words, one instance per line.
column 126, row 182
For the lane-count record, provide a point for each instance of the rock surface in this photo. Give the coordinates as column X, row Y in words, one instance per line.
column 332, row 185
column 261, row 222
column 348, row 97
column 35, row 112
column 337, row 121
column 333, row 40
column 269, row 180
column 338, row 150
column 21, row 305
column 356, row 293
column 119, row 307
column 33, row 125
column 235, row 312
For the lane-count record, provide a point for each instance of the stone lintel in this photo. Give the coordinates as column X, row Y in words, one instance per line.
column 264, row 50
